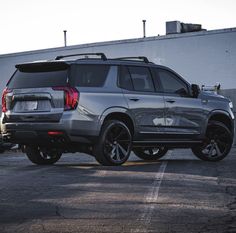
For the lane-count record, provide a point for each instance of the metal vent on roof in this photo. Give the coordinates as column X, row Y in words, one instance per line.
column 175, row 27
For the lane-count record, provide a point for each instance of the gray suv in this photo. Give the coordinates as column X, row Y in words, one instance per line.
column 110, row 107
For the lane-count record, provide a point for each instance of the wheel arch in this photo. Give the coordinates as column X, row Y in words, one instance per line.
column 120, row 114
column 223, row 117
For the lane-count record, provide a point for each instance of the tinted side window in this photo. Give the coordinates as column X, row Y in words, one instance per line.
column 141, row 78
column 89, row 75
column 124, row 80
column 171, row 83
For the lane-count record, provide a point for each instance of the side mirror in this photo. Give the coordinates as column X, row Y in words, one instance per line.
column 195, row 90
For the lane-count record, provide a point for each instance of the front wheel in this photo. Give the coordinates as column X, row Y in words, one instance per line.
column 152, row 153
column 217, row 144
column 114, row 144
column 41, row 156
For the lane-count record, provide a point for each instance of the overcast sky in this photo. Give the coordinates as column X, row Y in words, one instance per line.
column 38, row 24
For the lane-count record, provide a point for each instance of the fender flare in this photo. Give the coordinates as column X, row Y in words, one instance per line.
column 112, row 110
column 219, row 112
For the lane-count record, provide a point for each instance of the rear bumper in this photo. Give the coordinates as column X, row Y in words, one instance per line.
column 39, row 133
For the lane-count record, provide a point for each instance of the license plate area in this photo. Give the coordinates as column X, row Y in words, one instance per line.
column 25, row 106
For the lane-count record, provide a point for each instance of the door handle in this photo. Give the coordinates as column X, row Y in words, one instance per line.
column 134, row 99
column 170, row 101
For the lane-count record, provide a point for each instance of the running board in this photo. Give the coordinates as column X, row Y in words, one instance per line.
column 172, row 143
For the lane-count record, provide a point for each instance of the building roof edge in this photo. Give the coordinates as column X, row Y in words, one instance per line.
column 133, row 40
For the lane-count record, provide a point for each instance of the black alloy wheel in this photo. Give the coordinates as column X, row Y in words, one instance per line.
column 114, row 144
column 150, row 153
column 217, row 144
column 42, row 156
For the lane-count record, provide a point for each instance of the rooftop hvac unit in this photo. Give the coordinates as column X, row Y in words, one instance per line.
column 173, row 27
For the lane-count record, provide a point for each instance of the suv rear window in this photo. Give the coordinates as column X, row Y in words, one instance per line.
column 50, row 75
column 88, row 75
column 38, row 75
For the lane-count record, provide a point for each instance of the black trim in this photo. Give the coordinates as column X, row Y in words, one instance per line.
column 169, row 144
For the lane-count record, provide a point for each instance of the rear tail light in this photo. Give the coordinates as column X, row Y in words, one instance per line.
column 55, row 133
column 71, row 97
column 4, row 102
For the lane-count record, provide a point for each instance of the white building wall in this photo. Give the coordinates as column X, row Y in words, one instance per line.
column 203, row 57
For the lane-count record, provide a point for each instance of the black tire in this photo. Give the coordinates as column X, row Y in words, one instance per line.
column 1, row 150
column 114, row 144
column 42, row 156
column 150, row 153
column 217, row 144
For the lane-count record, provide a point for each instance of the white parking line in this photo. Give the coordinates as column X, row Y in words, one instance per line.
column 151, row 199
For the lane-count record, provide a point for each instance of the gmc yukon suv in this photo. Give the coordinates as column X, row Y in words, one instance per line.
column 110, row 107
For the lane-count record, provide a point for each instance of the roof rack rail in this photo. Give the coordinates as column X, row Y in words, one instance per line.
column 142, row 58
column 102, row 55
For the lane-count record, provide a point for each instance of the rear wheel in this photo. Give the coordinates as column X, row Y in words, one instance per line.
column 114, row 144
column 151, row 153
column 217, row 144
column 41, row 156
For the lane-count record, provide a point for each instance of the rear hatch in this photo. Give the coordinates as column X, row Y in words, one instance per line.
column 38, row 92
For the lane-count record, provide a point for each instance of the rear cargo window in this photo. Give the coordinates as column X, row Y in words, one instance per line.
column 88, row 75
column 22, row 79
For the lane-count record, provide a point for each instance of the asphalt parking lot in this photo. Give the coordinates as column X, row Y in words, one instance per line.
column 176, row 194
